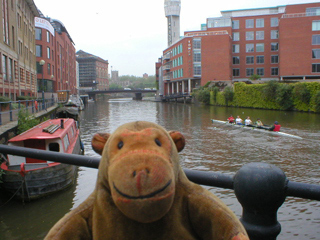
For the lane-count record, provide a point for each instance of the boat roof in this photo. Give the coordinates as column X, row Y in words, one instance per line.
column 37, row 131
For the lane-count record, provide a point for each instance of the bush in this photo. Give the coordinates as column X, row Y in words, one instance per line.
column 270, row 89
column 255, row 77
column 317, row 100
column 215, row 91
column 284, row 97
column 301, row 92
column 202, row 95
column 26, row 121
column 228, row 94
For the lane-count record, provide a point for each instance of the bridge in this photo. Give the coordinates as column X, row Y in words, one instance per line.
column 138, row 92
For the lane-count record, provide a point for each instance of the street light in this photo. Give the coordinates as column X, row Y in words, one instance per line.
column 42, row 62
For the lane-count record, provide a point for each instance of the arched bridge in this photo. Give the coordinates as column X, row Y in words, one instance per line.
column 138, row 92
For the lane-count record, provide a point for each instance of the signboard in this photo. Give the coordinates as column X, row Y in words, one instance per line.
column 43, row 23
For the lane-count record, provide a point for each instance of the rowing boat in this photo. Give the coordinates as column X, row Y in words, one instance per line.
column 252, row 127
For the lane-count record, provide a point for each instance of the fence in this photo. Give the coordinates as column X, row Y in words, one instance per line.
column 9, row 110
column 260, row 188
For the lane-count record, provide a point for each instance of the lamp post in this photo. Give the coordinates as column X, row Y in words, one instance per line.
column 42, row 62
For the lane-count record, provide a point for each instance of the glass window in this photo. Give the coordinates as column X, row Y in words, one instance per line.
column 197, row 70
column 259, row 35
column 38, row 34
column 49, row 69
column 315, row 11
column 274, row 59
column 260, row 71
column 316, row 67
column 274, row 34
column 235, row 48
column 236, row 60
column 48, row 52
column 249, row 60
column 236, row 72
column 260, row 47
column 66, row 142
column 250, row 47
column 316, row 53
column 48, row 36
column 4, row 68
column 219, row 22
column 274, row 22
column 38, row 50
column 249, row 72
column 260, row 23
column 315, row 39
column 236, row 36
column 274, row 46
column 197, row 43
column 315, row 25
column 249, row 35
column 235, row 24
column 274, row 71
column 249, row 23
column 197, row 56
column 260, row 59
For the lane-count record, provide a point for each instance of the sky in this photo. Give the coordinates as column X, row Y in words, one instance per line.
column 132, row 35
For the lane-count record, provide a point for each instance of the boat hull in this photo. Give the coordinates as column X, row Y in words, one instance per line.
column 38, row 182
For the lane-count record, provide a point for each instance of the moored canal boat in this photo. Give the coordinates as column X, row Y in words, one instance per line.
column 28, row 178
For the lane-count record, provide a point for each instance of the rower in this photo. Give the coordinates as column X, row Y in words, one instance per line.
column 230, row 119
column 276, row 127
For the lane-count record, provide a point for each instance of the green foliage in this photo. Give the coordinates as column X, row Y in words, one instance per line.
column 255, row 77
column 317, row 101
column 26, row 121
column 215, row 93
column 228, row 94
column 114, row 86
column 301, row 92
column 25, row 98
column 284, row 96
column 270, row 89
column 5, row 99
column 202, row 95
column 139, row 82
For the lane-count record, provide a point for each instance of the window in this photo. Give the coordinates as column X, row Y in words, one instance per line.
column 235, row 24
column 236, row 72
column 49, row 69
column 274, row 22
column 274, row 59
column 197, row 43
column 38, row 50
column 315, row 39
column 315, row 11
column 316, row 67
column 38, row 34
column 274, row 71
column 259, row 35
column 260, row 71
column 5, row 21
column 250, row 47
column 274, row 46
column 260, row 23
column 236, row 60
column 260, row 59
column 10, row 68
column 48, row 36
column 4, row 68
column 48, row 52
column 219, row 22
column 249, row 23
column 274, row 34
column 249, row 60
column 66, row 142
column 235, row 48
column 197, row 56
column 315, row 25
column 249, row 72
column 260, row 47
column 249, row 35
column 316, row 53
column 197, row 70
column 236, row 36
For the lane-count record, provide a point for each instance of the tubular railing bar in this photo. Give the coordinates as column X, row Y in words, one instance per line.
column 214, row 179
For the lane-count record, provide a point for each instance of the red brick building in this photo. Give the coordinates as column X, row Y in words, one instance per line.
column 55, row 50
column 276, row 43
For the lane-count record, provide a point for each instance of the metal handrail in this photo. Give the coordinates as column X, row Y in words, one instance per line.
column 260, row 188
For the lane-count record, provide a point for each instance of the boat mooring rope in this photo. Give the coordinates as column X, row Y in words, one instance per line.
column 12, row 195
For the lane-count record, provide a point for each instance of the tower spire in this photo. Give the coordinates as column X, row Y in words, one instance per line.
column 172, row 11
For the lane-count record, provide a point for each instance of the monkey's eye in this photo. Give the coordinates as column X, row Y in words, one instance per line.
column 158, row 142
column 120, row 144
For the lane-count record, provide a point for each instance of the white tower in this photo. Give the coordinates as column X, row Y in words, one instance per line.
column 172, row 11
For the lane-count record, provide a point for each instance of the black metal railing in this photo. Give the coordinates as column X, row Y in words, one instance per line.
column 9, row 110
column 260, row 188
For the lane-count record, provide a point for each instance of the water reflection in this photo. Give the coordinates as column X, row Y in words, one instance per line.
column 209, row 147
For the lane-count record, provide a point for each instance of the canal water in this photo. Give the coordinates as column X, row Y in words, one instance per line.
column 209, row 147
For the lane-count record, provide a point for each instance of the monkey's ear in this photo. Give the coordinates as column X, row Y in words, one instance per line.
column 178, row 139
column 98, row 141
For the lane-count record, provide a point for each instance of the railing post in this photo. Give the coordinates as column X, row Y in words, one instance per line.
column 10, row 109
column 261, row 190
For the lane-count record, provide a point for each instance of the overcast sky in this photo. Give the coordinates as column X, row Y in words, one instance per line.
column 132, row 35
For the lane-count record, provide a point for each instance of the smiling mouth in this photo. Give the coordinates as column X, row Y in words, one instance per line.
column 143, row 196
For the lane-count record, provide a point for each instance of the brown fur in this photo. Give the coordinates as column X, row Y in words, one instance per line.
column 143, row 193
